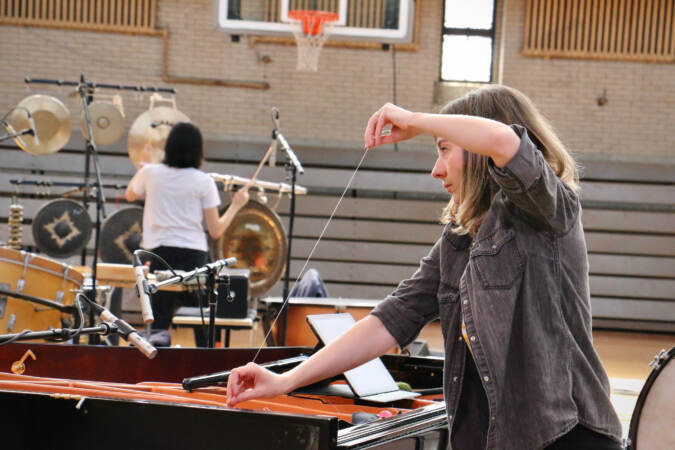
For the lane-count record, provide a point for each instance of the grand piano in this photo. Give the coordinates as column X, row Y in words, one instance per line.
column 86, row 397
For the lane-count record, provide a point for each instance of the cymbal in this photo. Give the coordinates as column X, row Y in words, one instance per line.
column 107, row 122
column 151, row 129
column 52, row 123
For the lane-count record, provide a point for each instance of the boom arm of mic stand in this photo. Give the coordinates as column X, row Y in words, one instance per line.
column 216, row 265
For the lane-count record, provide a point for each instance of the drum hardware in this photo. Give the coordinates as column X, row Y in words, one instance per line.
column 659, row 359
column 19, row 367
column 49, row 119
column 107, row 120
column 49, row 304
column 148, row 133
column 11, row 322
column 652, row 418
column 21, row 282
column 60, row 293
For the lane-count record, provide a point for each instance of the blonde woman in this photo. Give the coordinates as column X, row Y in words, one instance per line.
column 508, row 278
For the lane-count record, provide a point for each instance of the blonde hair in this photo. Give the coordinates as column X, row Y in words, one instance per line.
column 477, row 189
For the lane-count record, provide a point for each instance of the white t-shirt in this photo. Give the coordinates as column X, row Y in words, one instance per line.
column 174, row 200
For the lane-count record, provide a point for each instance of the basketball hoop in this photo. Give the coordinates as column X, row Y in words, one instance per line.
column 310, row 35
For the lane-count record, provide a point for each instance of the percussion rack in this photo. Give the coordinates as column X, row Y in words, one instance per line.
column 86, row 90
column 48, row 183
column 265, row 186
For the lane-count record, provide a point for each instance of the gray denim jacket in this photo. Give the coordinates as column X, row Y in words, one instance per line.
column 522, row 289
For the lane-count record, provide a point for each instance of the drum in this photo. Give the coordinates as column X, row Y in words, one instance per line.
column 121, row 235
column 61, row 228
column 651, row 425
column 30, row 274
column 256, row 237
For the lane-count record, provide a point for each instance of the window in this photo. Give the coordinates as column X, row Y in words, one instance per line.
column 119, row 16
column 632, row 30
column 468, row 40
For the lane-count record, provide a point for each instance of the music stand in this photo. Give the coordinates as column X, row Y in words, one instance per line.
column 370, row 381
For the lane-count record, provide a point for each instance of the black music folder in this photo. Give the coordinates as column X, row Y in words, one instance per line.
column 370, row 381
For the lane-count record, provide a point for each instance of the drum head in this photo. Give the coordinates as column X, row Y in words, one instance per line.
column 121, row 235
column 256, row 237
column 651, row 425
column 61, row 228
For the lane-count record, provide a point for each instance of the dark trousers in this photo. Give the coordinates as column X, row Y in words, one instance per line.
column 581, row 438
column 165, row 303
column 469, row 432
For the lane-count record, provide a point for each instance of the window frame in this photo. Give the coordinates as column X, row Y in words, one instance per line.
column 482, row 32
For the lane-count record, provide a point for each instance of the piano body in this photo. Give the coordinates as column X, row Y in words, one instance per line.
column 85, row 397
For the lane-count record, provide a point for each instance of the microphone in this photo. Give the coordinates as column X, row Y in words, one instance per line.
column 287, row 148
column 128, row 333
column 275, row 144
column 219, row 264
column 142, row 290
column 273, row 155
column 31, row 121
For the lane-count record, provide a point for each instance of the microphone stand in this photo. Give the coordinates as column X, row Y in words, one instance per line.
column 213, row 281
column 85, row 89
column 60, row 334
column 292, row 167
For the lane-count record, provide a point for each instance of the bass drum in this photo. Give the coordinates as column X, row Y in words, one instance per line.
column 651, row 425
column 31, row 274
column 256, row 237
column 121, row 235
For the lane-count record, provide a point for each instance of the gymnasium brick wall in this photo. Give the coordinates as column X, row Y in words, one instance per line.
column 330, row 108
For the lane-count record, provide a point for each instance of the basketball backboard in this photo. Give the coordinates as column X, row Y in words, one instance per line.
column 381, row 21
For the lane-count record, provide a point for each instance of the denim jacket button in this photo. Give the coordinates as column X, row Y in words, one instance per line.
column 473, row 338
column 465, row 302
column 454, row 379
column 460, row 338
column 486, row 379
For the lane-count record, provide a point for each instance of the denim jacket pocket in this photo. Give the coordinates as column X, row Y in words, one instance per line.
column 498, row 261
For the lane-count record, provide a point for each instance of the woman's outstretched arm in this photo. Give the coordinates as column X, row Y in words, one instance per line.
column 366, row 340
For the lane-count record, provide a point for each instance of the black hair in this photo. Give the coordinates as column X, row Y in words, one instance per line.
column 184, row 146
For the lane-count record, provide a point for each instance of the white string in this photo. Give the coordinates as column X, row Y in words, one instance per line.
column 311, row 253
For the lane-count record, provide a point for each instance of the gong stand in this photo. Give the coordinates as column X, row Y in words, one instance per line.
column 293, row 167
column 86, row 90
